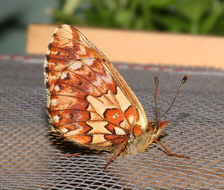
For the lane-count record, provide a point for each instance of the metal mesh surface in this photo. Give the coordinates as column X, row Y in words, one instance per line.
column 32, row 158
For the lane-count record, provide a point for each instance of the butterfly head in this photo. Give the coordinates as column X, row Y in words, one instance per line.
column 156, row 128
column 153, row 130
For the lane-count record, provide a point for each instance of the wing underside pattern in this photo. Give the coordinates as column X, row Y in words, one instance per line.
column 85, row 101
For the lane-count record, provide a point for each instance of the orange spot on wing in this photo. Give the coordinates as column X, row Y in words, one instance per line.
column 137, row 131
column 111, row 128
column 131, row 114
column 114, row 116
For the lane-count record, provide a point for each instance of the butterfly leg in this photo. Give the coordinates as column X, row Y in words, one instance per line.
column 116, row 153
column 75, row 154
column 168, row 152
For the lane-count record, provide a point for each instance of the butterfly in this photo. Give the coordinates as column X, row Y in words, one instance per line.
column 88, row 101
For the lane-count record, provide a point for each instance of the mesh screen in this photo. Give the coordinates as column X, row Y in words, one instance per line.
column 33, row 158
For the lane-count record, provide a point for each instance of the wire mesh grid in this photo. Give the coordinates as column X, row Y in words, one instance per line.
column 33, row 158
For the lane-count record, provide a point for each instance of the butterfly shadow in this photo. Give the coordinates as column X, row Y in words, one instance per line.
column 68, row 148
column 182, row 115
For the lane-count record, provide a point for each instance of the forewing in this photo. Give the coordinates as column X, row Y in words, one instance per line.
column 88, row 101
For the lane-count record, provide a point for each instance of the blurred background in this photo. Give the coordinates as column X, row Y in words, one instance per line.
column 203, row 17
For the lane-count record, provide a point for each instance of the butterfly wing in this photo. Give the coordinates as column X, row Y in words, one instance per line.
column 88, row 100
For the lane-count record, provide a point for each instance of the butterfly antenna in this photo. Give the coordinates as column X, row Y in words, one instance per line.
column 178, row 91
column 156, row 94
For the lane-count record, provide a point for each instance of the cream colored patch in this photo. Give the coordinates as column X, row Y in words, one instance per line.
column 57, row 88
column 48, row 51
column 99, row 106
column 115, row 116
column 64, row 75
column 67, row 103
column 98, row 127
column 95, row 116
column 76, row 65
column 56, row 118
column 142, row 122
column 107, row 78
column 88, row 62
column 131, row 119
column 98, row 138
column 124, row 124
column 90, row 108
column 122, row 100
column 65, row 30
column 119, row 131
column 54, row 102
column 74, row 132
column 52, row 77
column 106, row 101
column 112, row 98
column 64, row 35
column 64, row 130
column 97, row 82
column 82, row 50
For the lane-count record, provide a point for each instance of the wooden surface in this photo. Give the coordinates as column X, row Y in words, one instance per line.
column 141, row 47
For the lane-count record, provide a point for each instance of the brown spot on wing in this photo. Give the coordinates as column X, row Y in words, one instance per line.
column 73, row 79
column 65, row 116
column 52, row 78
column 89, row 74
column 98, row 67
column 68, row 90
column 67, row 102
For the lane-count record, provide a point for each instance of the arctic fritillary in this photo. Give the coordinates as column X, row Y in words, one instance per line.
column 90, row 103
